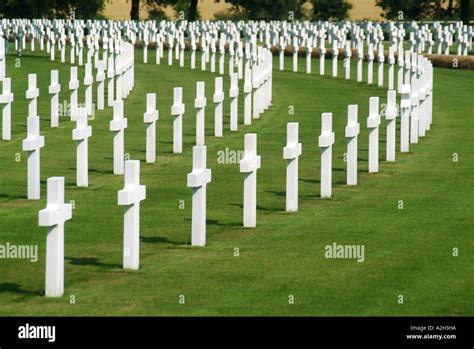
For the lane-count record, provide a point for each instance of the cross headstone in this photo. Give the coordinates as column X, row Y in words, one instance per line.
column 291, row 153
column 100, row 78
column 335, row 54
column 74, row 88
column 391, row 71
column 177, row 110
column 405, row 105
column 110, row 81
column 118, row 126
column 218, row 105
column 249, row 166
column 54, row 216
column 373, row 123
column 6, row 98
column 401, row 63
column 130, row 197
column 198, row 180
column 248, row 96
column 380, row 60
column 200, row 106
column 352, row 131
column 150, row 117
column 54, row 90
column 81, row 135
column 370, row 65
column 360, row 57
column 325, row 141
column 347, row 61
column 390, row 116
column 234, row 94
column 34, row 142
column 415, row 85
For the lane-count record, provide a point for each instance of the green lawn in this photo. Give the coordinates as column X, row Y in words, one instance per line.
column 407, row 252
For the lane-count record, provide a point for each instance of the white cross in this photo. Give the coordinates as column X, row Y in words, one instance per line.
column 415, row 86
column 391, row 71
column 54, row 216
column 88, row 81
column 360, row 57
column 200, row 106
column 54, row 89
column 256, row 93
column 249, row 165
column 110, row 82
column 119, row 76
column 6, row 98
column 234, row 94
column 74, row 88
column 352, row 131
column 2, row 58
column 198, row 180
column 218, row 99
column 248, row 96
column 177, row 110
column 81, row 134
column 325, row 141
column 34, row 142
column 370, row 67
column 373, row 122
column 291, row 153
column 347, row 61
column 130, row 197
column 390, row 116
column 100, row 77
column 118, row 126
column 322, row 53
column 335, row 54
column 150, row 117
column 381, row 60
column 405, row 105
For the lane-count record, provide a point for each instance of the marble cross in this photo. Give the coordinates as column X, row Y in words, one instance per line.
column 291, row 153
column 373, row 123
column 81, row 135
column 218, row 105
column 130, row 197
column 352, row 131
column 177, row 110
column 200, row 106
column 54, row 89
column 118, row 126
column 53, row 217
column 390, row 116
column 6, row 98
column 234, row 94
column 325, row 141
column 198, row 180
column 149, row 118
column 249, row 166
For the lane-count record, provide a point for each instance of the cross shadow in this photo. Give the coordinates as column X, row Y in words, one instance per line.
column 311, row 181
column 15, row 288
column 13, row 197
column 218, row 223
column 94, row 170
column 160, row 240
column 91, row 261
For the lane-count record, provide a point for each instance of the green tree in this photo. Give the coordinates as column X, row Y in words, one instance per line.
column 268, row 9
column 51, row 8
column 330, row 9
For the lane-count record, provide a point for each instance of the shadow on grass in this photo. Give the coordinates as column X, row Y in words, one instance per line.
column 160, row 240
column 7, row 287
column 12, row 197
column 91, row 261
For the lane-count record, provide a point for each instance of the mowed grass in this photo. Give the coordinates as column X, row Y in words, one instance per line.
column 408, row 251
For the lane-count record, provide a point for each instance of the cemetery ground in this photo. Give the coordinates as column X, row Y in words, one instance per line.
column 409, row 217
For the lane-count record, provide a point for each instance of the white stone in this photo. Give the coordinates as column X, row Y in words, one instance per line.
column 118, row 126
column 198, row 180
column 74, row 88
column 54, row 89
column 149, row 118
column 200, row 106
column 110, row 82
column 352, row 131
column 6, row 98
column 234, row 94
column 248, row 96
column 325, row 141
column 415, row 85
column 373, row 123
column 405, row 106
column 347, row 61
column 81, row 135
column 291, row 153
column 249, row 166
column 177, row 111
column 218, row 106
column 130, row 197
column 100, row 78
column 54, row 216
column 381, row 60
column 34, row 142
column 391, row 117
column 88, row 81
